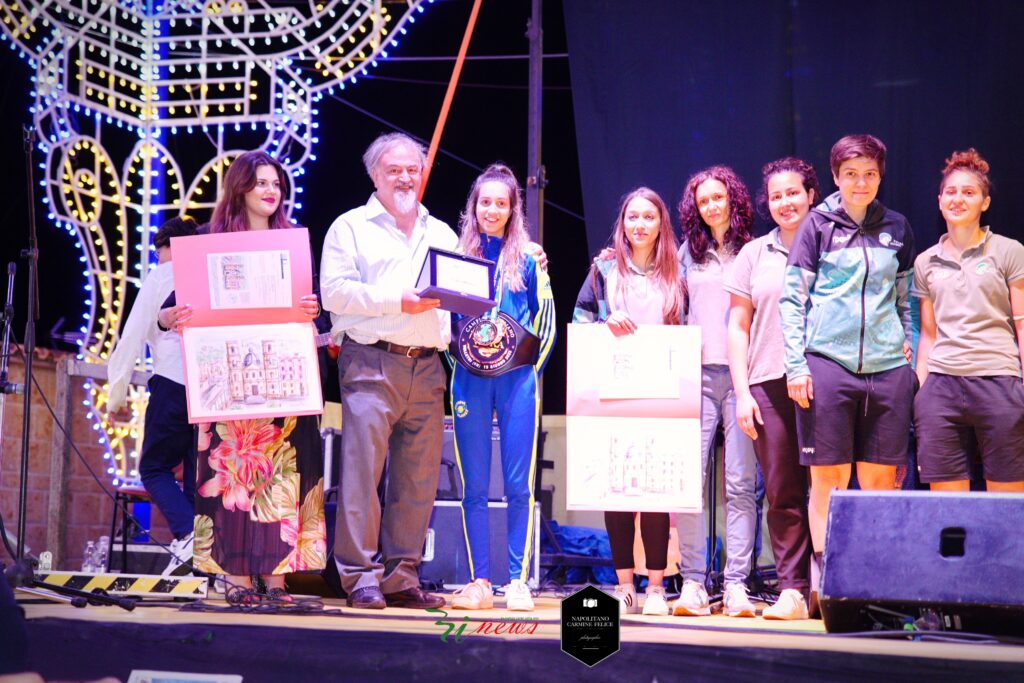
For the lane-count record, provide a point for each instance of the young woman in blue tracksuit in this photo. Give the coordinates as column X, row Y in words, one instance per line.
column 492, row 227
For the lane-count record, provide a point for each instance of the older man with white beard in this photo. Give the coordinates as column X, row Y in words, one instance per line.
column 392, row 382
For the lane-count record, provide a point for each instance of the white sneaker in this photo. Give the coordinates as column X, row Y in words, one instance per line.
column 693, row 601
column 475, row 595
column 518, row 597
column 790, row 605
column 625, row 593
column 655, row 603
column 735, row 602
column 181, row 557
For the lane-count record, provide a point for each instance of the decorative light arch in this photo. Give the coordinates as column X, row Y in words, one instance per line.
column 116, row 82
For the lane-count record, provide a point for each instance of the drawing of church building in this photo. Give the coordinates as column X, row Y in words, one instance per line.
column 260, row 371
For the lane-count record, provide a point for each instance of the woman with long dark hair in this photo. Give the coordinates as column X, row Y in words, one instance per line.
column 639, row 283
column 493, row 227
column 764, row 410
column 259, row 503
column 716, row 219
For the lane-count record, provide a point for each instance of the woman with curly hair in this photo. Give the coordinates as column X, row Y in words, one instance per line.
column 716, row 218
column 639, row 283
column 764, row 410
column 259, row 508
column 971, row 288
column 493, row 227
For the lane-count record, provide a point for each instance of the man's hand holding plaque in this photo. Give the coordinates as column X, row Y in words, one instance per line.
column 462, row 284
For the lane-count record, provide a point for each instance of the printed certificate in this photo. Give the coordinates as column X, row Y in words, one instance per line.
column 241, row 278
column 252, row 279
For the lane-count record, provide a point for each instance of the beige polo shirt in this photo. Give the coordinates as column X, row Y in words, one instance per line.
column 708, row 302
column 756, row 275
column 974, row 333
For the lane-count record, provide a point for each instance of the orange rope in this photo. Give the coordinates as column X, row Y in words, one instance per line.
column 435, row 141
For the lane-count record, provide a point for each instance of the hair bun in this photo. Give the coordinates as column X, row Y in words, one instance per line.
column 967, row 160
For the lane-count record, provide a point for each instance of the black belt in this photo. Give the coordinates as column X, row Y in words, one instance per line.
column 407, row 351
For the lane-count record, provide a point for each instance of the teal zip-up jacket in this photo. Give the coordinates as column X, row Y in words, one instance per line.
column 846, row 293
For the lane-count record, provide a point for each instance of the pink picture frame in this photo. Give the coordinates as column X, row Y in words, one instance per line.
column 249, row 351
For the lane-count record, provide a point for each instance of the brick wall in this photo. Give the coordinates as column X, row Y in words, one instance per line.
column 89, row 507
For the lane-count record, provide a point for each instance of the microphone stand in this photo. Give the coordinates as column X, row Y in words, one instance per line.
column 20, row 575
column 31, row 255
column 5, row 349
column 6, row 387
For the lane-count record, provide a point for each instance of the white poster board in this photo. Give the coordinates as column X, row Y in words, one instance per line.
column 633, row 419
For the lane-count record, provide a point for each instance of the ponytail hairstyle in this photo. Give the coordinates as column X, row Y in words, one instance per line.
column 516, row 237
column 808, row 178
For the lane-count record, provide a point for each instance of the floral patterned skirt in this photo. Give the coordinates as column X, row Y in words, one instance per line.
column 260, row 497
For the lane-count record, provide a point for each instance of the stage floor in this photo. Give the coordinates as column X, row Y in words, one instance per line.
column 401, row 644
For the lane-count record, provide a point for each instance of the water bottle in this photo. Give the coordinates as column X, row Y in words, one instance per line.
column 102, row 554
column 89, row 558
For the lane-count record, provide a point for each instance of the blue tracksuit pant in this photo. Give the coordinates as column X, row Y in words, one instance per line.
column 514, row 397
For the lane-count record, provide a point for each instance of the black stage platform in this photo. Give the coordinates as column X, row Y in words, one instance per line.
column 406, row 645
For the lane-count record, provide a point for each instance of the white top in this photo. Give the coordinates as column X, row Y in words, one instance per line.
column 367, row 263
column 140, row 329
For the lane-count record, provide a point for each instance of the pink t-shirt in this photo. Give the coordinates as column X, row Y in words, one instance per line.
column 709, row 302
column 756, row 275
column 639, row 296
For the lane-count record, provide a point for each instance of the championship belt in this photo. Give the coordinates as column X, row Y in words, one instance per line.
column 490, row 346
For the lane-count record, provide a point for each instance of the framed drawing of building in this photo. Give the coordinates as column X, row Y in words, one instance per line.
column 249, row 351
column 633, row 419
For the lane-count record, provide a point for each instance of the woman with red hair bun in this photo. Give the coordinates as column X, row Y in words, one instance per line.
column 971, row 288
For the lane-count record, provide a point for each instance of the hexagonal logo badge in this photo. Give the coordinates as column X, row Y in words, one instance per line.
column 590, row 625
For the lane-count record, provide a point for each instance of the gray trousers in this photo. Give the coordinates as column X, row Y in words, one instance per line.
column 389, row 403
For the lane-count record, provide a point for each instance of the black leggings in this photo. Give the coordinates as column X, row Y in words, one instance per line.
column 653, row 532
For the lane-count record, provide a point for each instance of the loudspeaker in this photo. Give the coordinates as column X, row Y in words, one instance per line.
column 951, row 561
column 449, row 482
column 445, row 558
column 449, row 486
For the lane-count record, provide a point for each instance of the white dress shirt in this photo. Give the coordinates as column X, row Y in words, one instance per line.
column 367, row 263
column 140, row 329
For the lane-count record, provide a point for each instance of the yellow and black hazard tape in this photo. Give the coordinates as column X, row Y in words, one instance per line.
column 135, row 585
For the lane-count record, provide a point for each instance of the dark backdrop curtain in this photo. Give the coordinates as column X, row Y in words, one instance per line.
column 662, row 89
